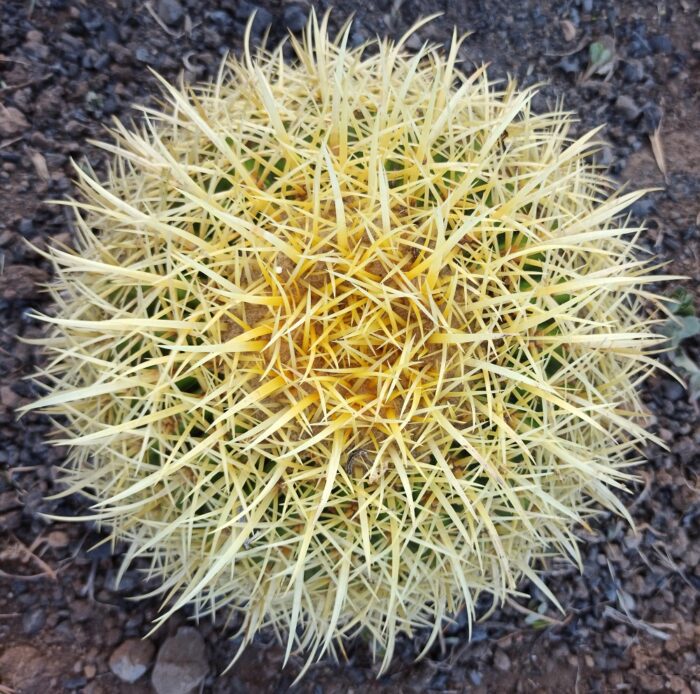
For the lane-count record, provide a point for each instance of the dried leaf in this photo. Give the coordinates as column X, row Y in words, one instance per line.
column 568, row 30
column 658, row 149
column 42, row 170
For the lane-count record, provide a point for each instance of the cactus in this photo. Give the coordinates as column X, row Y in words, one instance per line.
column 346, row 343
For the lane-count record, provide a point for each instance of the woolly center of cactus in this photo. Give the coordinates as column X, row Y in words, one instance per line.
column 352, row 326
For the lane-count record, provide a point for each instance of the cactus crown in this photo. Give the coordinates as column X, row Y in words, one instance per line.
column 345, row 343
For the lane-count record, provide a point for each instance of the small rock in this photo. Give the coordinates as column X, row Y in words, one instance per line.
column 568, row 30
column 131, row 659
column 294, row 17
column 9, row 399
column 501, row 661
column 34, row 36
column 221, row 19
column 569, row 64
column 74, row 682
column 58, row 539
column 8, row 500
column 33, row 621
column 627, row 107
column 21, row 281
column 112, row 636
column 479, row 634
column 81, row 610
column 666, row 435
column 633, row 70
column 91, row 19
column 685, row 449
column 142, row 55
column 262, row 20
column 673, row 390
column 182, row 664
column 660, row 44
column 643, row 208
column 651, row 117
column 605, row 157
column 10, row 521
column 26, row 227
column 12, row 121
column 170, row 11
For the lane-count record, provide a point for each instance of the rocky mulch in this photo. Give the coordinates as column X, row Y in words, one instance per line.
column 630, row 620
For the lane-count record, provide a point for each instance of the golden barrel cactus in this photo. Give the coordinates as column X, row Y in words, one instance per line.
column 345, row 343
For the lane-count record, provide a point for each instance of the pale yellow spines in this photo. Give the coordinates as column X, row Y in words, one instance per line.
column 347, row 342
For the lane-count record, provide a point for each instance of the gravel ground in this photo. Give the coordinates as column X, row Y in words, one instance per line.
column 630, row 621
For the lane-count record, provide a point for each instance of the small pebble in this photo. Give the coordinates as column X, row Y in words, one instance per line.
column 660, row 44
column 633, row 70
column 651, row 117
column 74, row 682
column 131, row 659
column 9, row 399
column 673, row 391
column 81, row 610
column 12, row 121
column 569, row 65
column 501, row 660
column 263, row 18
column 627, row 107
column 294, row 17
column 58, row 539
column 170, row 11
column 182, row 663
column 142, row 55
column 33, row 621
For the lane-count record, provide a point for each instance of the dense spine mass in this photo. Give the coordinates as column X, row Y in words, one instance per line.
column 344, row 344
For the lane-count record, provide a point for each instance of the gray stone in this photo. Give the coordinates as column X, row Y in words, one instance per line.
column 170, row 11
column 262, row 19
column 294, row 17
column 501, row 661
column 633, row 70
column 627, row 107
column 33, row 621
column 673, row 390
column 131, row 659
column 182, row 663
column 12, row 121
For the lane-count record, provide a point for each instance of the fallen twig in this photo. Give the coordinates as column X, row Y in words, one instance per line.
column 19, row 550
column 26, row 83
column 638, row 623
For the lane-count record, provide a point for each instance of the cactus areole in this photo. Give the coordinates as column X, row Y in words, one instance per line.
column 346, row 342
